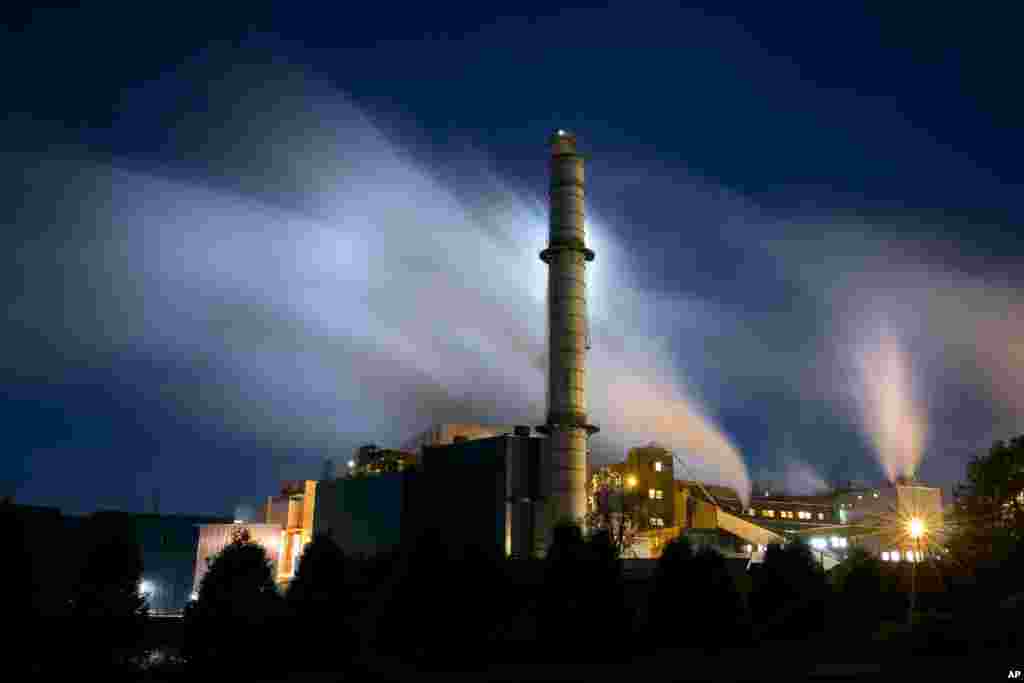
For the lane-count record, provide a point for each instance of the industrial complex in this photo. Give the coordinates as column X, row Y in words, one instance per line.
column 504, row 488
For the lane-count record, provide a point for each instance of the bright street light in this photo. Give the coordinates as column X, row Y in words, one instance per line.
column 916, row 528
column 631, row 481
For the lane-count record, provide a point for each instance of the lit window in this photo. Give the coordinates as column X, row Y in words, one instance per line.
column 768, row 513
column 657, row 521
column 657, row 466
column 748, row 548
column 875, row 494
column 751, row 512
column 818, row 543
column 821, row 515
column 859, row 497
column 885, row 556
column 659, row 494
column 650, row 493
column 895, row 555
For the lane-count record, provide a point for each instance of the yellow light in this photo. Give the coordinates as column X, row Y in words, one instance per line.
column 916, row 528
column 631, row 481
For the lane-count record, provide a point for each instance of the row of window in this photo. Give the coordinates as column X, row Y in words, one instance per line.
column 785, row 514
column 655, row 494
column 821, row 543
column 905, row 556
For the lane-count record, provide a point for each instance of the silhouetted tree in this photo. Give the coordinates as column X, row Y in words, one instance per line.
column 865, row 593
column 442, row 603
column 789, row 591
column 671, row 591
column 988, row 524
column 319, row 594
column 108, row 587
column 582, row 586
column 16, row 568
column 230, row 623
column 694, row 599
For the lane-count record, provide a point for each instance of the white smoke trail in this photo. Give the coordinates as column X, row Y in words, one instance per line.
column 320, row 282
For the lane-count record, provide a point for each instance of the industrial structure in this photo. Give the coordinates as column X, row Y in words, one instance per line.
column 503, row 489
column 284, row 530
column 566, row 427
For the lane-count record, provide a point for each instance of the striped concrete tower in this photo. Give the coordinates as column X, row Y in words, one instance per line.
column 568, row 339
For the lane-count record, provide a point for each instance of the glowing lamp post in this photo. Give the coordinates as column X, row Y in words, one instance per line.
column 916, row 529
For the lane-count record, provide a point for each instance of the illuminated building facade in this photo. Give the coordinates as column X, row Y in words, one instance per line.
column 286, row 528
column 213, row 538
column 293, row 510
column 879, row 520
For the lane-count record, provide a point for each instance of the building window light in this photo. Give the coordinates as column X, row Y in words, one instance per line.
column 650, row 493
column 748, row 548
column 821, row 515
column 895, row 555
column 657, row 466
column 768, row 513
column 818, row 543
column 885, row 556
column 875, row 494
column 659, row 494
column 751, row 512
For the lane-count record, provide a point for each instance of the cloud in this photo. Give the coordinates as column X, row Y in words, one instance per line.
column 317, row 283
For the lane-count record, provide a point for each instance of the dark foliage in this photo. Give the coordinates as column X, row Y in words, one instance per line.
column 109, row 613
column 582, row 586
column 789, row 593
column 231, row 624
column 442, row 604
column 866, row 593
column 16, row 569
column 694, row 600
column 320, row 594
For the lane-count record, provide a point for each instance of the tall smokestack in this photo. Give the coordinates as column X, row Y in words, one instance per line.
column 568, row 338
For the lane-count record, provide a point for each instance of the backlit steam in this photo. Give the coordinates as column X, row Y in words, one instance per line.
column 890, row 411
column 320, row 287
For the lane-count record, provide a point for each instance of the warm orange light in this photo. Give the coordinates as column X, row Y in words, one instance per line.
column 631, row 481
column 916, row 528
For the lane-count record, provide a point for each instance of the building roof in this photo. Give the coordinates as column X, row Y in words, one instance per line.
column 724, row 495
column 825, row 500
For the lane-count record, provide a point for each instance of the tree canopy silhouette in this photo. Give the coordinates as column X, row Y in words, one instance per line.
column 319, row 594
column 790, row 591
column 237, row 597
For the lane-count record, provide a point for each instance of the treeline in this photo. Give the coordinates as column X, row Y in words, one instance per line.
column 73, row 598
column 433, row 605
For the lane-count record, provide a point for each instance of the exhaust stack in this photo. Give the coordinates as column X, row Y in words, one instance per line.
column 567, row 427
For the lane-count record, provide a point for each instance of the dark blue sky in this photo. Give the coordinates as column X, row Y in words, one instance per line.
column 747, row 161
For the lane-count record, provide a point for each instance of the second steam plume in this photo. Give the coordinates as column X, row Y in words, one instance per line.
column 891, row 412
column 324, row 285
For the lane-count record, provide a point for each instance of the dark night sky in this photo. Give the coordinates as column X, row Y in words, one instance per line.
column 789, row 188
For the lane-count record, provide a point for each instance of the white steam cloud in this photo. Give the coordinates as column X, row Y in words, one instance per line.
column 334, row 288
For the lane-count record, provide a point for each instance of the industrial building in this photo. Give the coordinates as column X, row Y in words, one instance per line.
column 284, row 530
column 484, row 492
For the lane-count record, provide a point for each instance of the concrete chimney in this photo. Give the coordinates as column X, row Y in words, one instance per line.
column 568, row 339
